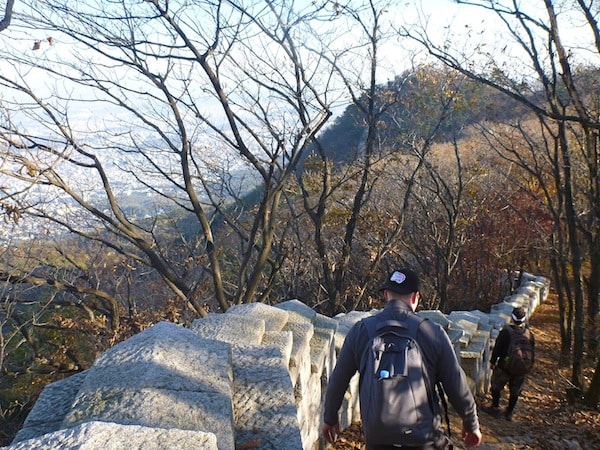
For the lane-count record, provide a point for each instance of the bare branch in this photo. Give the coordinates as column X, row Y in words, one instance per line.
column 5, row 22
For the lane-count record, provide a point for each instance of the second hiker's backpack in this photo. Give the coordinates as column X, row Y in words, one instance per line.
column 519, row 359
column 397, row 402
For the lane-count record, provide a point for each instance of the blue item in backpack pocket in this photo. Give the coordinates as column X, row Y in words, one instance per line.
column 384, row 374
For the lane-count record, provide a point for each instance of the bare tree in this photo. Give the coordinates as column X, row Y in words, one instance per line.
column 334, row 253
column 350, row 249
column 195, row 104
column 535, row 66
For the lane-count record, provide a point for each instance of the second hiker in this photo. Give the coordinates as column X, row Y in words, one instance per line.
column 512, row 359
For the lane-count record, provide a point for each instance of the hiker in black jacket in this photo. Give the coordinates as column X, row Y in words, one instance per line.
column 500, row 362
column 401, row 293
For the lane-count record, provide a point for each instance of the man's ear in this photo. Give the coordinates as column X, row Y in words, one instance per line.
column 414, row 299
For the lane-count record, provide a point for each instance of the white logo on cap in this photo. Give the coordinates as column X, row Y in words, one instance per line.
column 516, row 319
column 398, row 277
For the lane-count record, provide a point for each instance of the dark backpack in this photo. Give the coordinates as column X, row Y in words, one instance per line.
column 519, row 359
column 397, row 402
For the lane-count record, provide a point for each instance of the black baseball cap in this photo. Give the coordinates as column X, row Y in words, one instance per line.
column 402, row 281
column 518, row 315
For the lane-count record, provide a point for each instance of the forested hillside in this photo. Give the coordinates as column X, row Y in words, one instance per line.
column 173, row 167
column 412, row 106
column 496, row 229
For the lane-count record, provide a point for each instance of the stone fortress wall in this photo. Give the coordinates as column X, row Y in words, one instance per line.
column 251, row 378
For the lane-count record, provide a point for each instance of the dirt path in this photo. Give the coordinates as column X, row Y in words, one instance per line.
column 542, row 418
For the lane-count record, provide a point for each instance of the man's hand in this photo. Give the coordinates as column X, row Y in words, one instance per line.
column 331, row 432
column 471, row 439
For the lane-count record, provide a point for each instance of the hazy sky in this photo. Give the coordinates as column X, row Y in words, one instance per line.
column 466, row 26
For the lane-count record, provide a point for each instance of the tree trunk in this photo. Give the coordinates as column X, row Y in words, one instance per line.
column 594, row 306
column 592, row 396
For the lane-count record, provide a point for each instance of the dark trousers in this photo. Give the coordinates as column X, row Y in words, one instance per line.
column 405, row 447
column 500, row 378
column 443, row 444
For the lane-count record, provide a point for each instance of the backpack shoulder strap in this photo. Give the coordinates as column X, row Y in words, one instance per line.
column 437, row 385
column 374, row 325
column 513, row 331
column 370, row 324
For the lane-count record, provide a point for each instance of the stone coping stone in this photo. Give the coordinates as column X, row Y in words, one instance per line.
column 499, row 318
column 503, row 321
column 483, row 317
column 487, row 326
column 284, row 340
column 465, row 335
column 230, row 328
column 476, row 347
column 165, row 356
column 437, row 316
column 526, row 276
column 302, row 333
column 503, row 307
column 465, row 322
column 296, row 306
column 275, row 318
column 465, row 319
column 481, row 335
column 455, row 334
column 158, row 408
column 266, row 414
column 112, row 436
column 539, row 285
column 51, row 407
column 164, row 377
column 467, row 316
column 518, row 299
column 347, row 321
column 530, row 288
column 531, row 298
column 300, row 363
column 325, row 328
column 325, row 322
column 320, row 347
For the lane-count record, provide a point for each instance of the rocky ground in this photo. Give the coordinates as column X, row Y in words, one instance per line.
column 543, row 419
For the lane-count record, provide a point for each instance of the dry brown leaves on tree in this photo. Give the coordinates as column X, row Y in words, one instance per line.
column 543, row 419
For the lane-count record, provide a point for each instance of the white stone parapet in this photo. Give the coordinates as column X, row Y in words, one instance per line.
column 253, row 377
